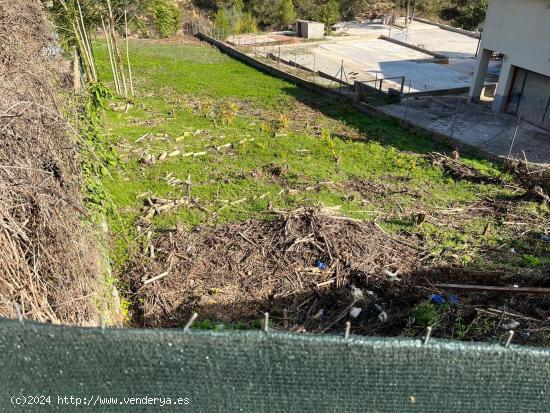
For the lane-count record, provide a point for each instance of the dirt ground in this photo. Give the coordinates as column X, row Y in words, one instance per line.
column 312, row 271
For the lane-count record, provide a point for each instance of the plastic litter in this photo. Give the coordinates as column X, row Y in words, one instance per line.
column 437, row 299
column 357, row 293
column 453, row 299
column 321, row 265
column 511, row 325
column 320, row 314
column 355, row 311
column 545, row 237
column 383, row 317
column 392, row 276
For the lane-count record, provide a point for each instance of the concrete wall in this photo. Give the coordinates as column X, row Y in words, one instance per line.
column 310, row 30
column 521, row 31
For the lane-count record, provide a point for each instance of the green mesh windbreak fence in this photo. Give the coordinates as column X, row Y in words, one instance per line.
column 262, row 372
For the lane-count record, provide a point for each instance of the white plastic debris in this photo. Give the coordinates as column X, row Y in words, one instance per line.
column 355, row 311
column 356, row 293
column 511, row 325
column 392, row 276
column 382, row 317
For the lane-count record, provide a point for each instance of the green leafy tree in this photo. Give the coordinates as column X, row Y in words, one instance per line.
column 305, row 8
column 165, row 15
column 221, row 23
column 349, row 9
column 247, row 24
column 473, row 15
column 266, row 11
column 287, row 12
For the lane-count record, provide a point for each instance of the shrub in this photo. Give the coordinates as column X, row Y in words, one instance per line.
column 221, row 23
column 426, row 314
column 473, row 15
column 287, row 13
column 165, row 16
column 247, row 24
column 327, row 13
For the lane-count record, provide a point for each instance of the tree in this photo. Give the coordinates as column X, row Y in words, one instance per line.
column 221, row 23
column 266, row 11
column 327, row 13
column 473, row 15
column 349, row 9
column 247, row 24
column 287, row 12
column 165, row 16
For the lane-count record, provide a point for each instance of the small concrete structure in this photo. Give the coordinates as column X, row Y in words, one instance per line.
column 310, row 30
column 520, row 31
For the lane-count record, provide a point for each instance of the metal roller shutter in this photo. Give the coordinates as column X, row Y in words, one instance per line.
column 530, row 98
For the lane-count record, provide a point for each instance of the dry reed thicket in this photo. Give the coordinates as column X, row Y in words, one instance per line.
column 48, row 269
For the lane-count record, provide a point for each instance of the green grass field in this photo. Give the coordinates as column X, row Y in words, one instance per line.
column 291, row 148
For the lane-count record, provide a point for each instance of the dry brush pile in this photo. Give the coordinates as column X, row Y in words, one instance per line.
column 300, row 267
column 47, row 267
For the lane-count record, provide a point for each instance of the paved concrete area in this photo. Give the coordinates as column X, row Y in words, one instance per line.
column 366, row 57
column 476, row 125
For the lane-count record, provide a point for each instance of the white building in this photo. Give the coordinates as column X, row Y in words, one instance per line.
column 309, row 29
column 520, row 30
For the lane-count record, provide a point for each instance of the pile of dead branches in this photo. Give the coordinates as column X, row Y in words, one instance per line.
column 458, row 170
column 46, row 271
column 535, row 178
column 302, row 266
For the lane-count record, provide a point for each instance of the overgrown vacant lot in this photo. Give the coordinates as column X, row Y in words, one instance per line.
column 209, row 141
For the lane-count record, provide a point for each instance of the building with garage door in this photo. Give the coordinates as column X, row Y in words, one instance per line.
column 519, row 31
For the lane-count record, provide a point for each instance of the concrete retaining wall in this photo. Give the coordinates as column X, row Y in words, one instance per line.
column 450, row 28
column 439, row 58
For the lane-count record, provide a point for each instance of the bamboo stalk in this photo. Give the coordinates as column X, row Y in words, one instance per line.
column 110, row 52
column 87, row 44
column 128, row 54
column 79, row 41
column 116, row 49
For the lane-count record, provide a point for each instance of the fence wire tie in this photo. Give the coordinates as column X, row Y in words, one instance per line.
column 428, row 335
column 346, row 332
column 509, row 339
column 190, row 322
column 18, row 312
column 266, row 323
